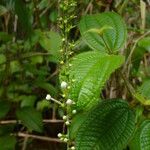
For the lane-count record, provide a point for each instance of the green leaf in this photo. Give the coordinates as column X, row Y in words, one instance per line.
column 28, row 100
column 36, row 59
column 114, row 38
column 145, row 43
column 31, row 118
column 46, row 86
column 7, row 142
column 4, row 108
column 2, row 59
column 108, row 126
column 91, row 70
column 143, row 93
column 41, row 105
column 76, row 123
column 5, row 37
column 141, row 140
column 144, row 89
column 51, row 41
column 137, row 57
column 142, row 47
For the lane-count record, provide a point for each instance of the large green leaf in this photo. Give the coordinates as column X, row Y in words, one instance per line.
column 141, row 140
column 114, row 38
column 108, row 126
column 31, row 118
column 91, row 70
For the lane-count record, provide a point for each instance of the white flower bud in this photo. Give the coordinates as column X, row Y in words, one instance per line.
column 74, row 111
column 70, row 65
column 48, row 97
column 67, row 123
column 64, row 85
column 59, row 135
column 64, row 117
column 72, row 148
column 65, row 140
column 69, row 102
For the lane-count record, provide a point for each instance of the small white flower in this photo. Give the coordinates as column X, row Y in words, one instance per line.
column 73, row 148
column 64, row 117
column 69, row 102
column 64, row 85
column 48, row 97
column 65, row 140
column 59, row 135
column 67, row 123
column 74, row 111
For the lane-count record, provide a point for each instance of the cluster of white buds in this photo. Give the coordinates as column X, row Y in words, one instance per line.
column 62, row 137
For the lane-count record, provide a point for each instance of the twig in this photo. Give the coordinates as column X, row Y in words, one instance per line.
column 88, row 7
column 133, row 48
column 43, row 138
column 15, row 27
column 24, row 146
column 15, row 121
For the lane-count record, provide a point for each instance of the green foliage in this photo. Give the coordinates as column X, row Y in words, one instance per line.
column 51, row 41
column 142, row 47
column 30, row 66
column 3, row 10
column 7, row 142
column 145, row 43
column 141, row 140
column 23, row 15
column 114, row 38
column 4, row 108
column 90, row 71
column 31, row 118
column 144, row 89
column 108, row 126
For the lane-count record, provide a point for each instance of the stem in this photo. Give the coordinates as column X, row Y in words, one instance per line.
column 3, row 122
column 56, row 101
column 43, row 138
